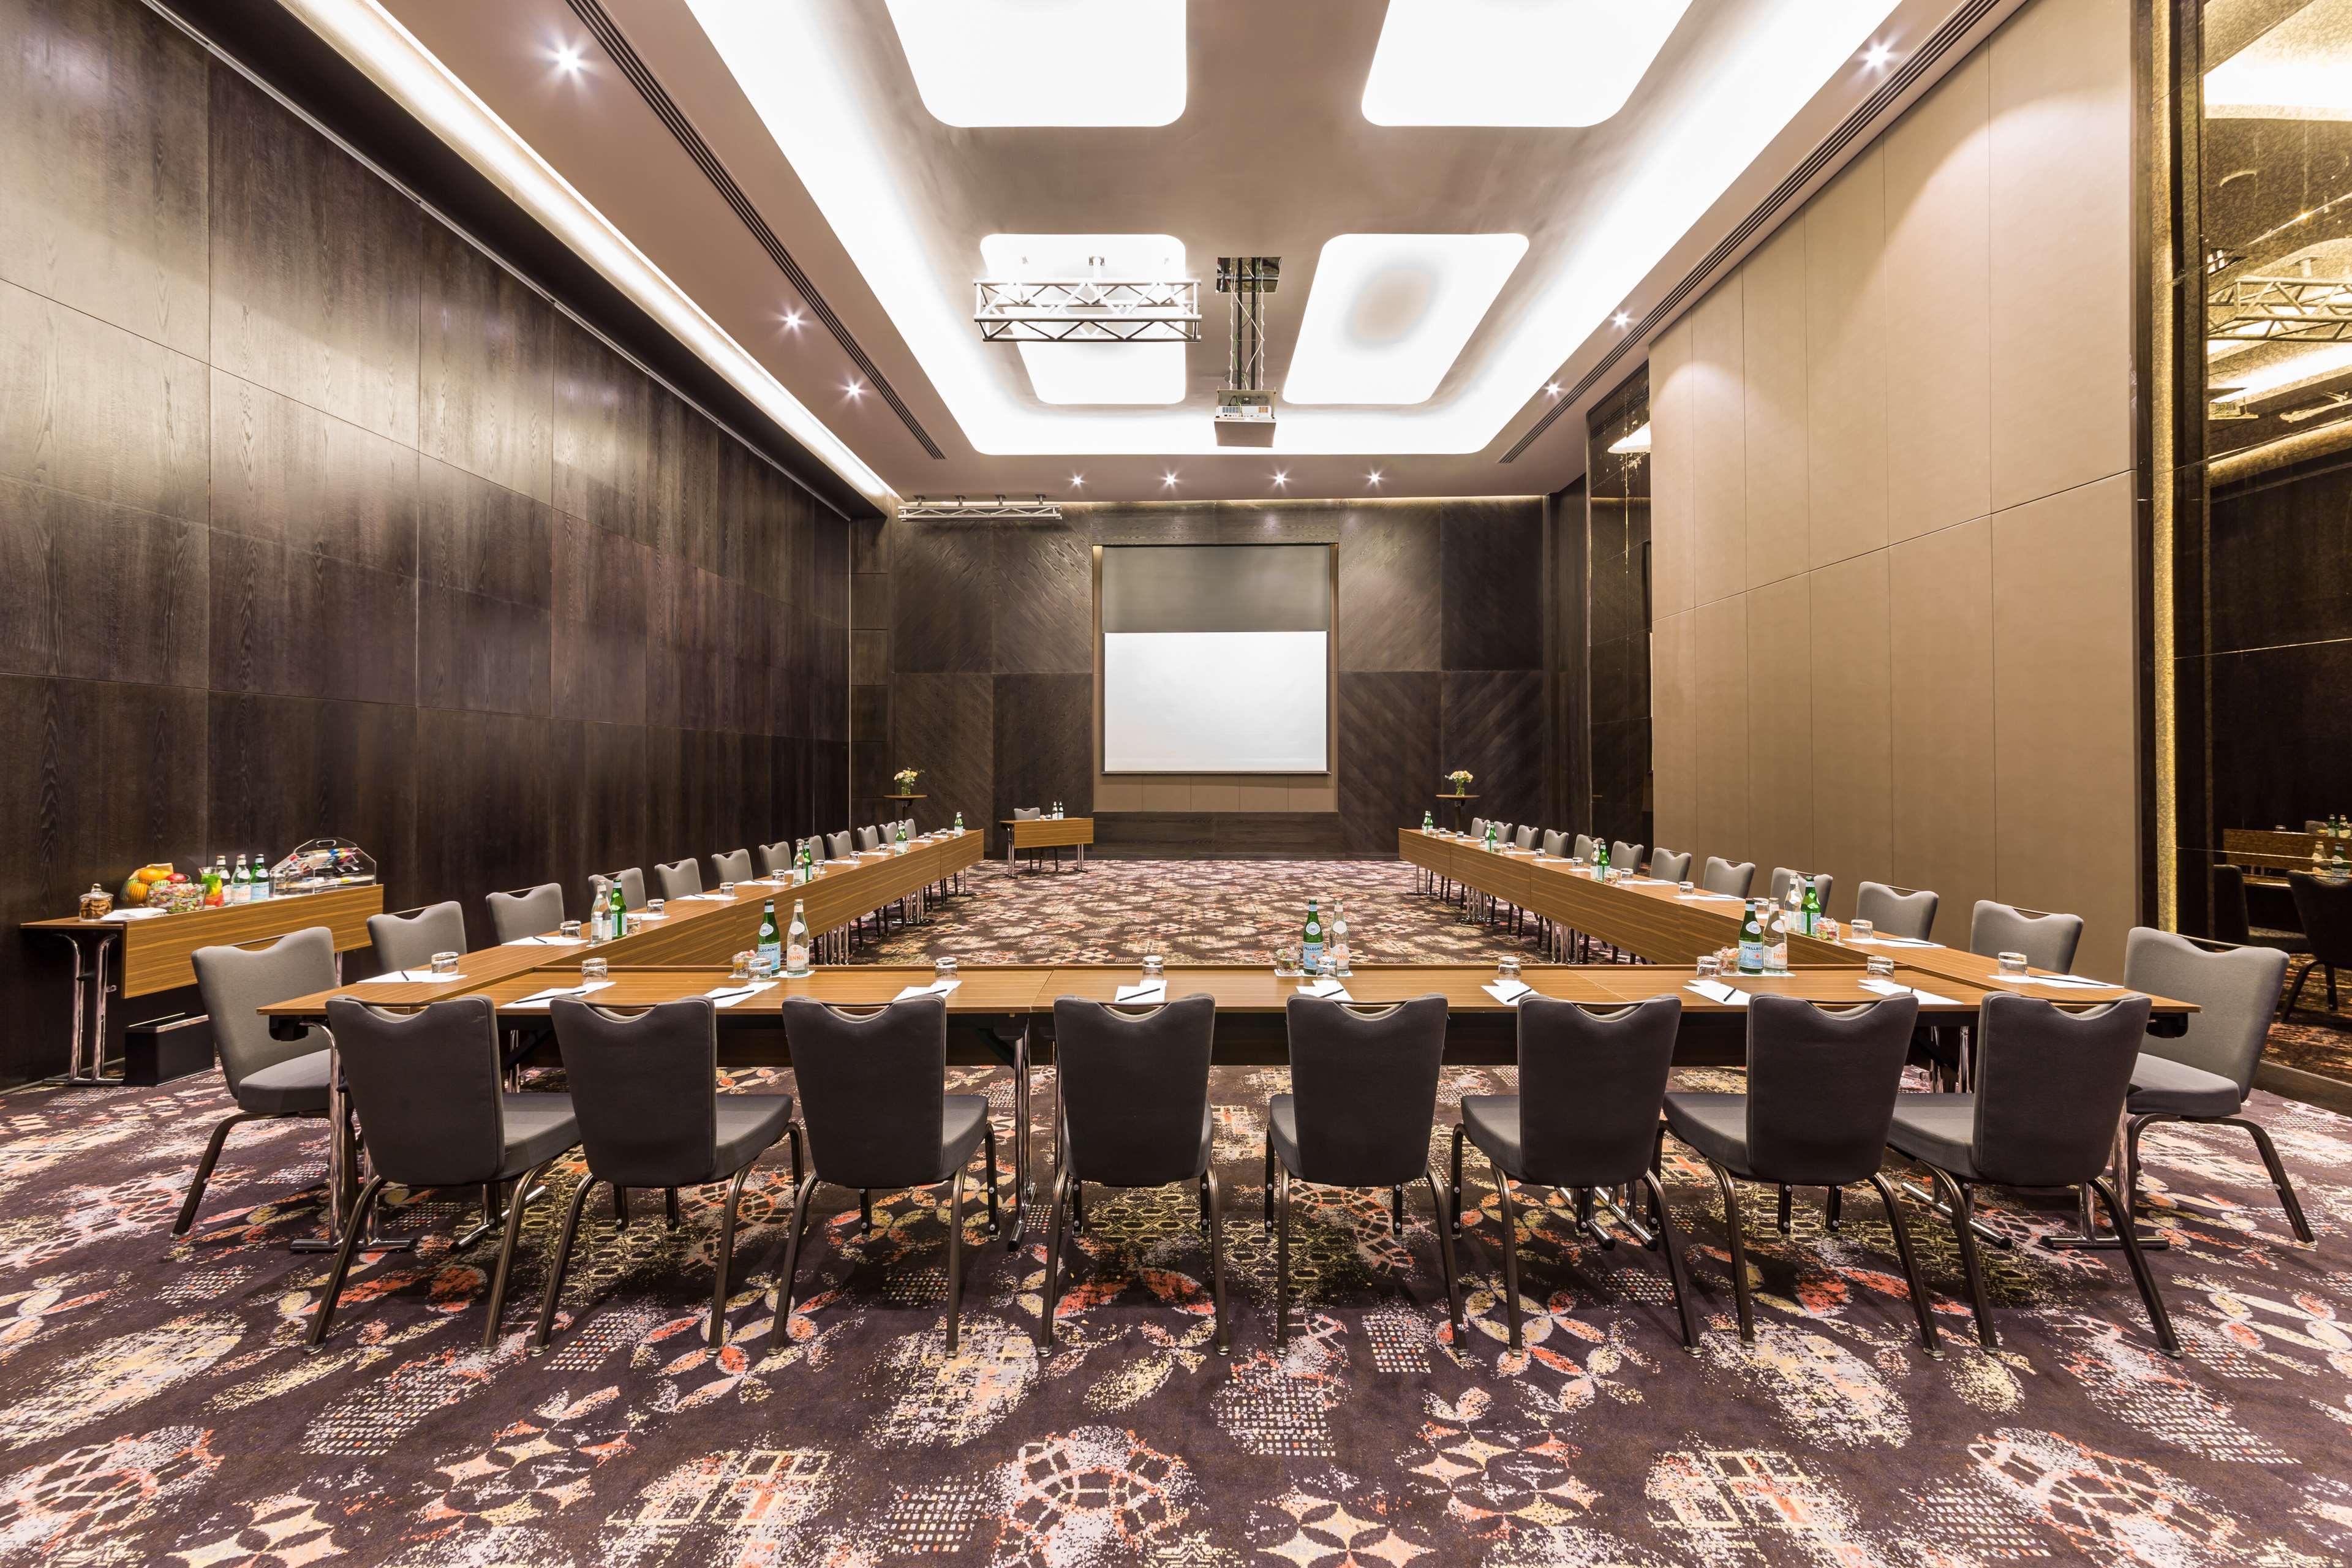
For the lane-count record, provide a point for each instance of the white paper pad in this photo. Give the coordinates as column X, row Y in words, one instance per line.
column 543, row 941
column 704, row 898
column 1707, row 898
column 1507, row 992
column 539, row 999
column 727, row 995
column 936, row 988
column 1149, row 990
column 2056, row 982
column 1888, row 988
column 1328, row 990
column 408, row 977
column 1716, row 990
column 1903, row 941
column 127, row 915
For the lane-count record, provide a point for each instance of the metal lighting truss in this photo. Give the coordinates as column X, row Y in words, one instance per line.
column 1087, row 310
column 2281, row 309
column 1000, row 510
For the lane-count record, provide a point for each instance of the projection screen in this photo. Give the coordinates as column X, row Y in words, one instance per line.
column 1216, row 659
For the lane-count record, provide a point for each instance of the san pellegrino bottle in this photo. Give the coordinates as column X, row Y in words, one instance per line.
column 1775, row 947
column 261, row 888
column 1339, row 939
column 796, row 945
column 1310, row 944
column 617, row 903
column 1810, row 910
column 240, row 883
column 800, row 864
column 959, row 824
column 1600, row 858
column 1428, row 820
column 768, row 952
column 900, row 847
column 1751, row 941
column 1490, row 838
column 600, row 923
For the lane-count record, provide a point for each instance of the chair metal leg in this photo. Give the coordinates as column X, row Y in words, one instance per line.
column 1053, row 1259
column 2142, row 1276
column 204, row 1170
column 955, row 1256
column 343, row 1259
column 1396, row 1211
column 1269, row 1177
column 1454, row 1223
column 1217, row 1262
column 1282, row 1257
column 1960, row 1200
column 1920, row 1305
column 1834, row 1211
column 865, row 1212
column 1670, row 1245
column 792, row 1255
column 1444, row 1251
column 988, row 1153
column 722, row 1263
column 793, row 1137
column 1510, row 1221
column 1785, row 1197
column 1077, row 1203
column 499, row 1276
column 1738, row 1253
column 669, row 1206
column 2286, row 1188
column 2295, row 992
column 621, row 1206
column 563, row 1258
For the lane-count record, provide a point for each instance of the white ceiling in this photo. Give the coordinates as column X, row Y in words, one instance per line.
column 832, row 125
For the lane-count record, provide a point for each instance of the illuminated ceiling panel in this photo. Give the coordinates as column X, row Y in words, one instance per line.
column 2300, row 70
column 1045, row 62
column 1512, row 63
column 1388, row 314
column 1097, row 374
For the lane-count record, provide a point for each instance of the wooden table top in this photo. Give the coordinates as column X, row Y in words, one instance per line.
column 157, row 950
column 1048, row 832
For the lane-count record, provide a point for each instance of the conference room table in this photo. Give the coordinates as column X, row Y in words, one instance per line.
column 1048, row 833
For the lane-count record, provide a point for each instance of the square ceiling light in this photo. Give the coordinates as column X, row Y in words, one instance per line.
column 2300, row 70
column 1097, row 373
column 1387, row 314
column 1512, row 63
column 1045, row 62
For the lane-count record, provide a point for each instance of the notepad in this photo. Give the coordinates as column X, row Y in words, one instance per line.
column 1509, row 991
column 1149, row 990
column 408, row 977
column 1326, row 990
column 539, row 999
column 703, row 899
column 727, row 995
column 936, row 988
column 1716, row 990
column 2056, row 982
column 1707, row 898
column 1888, row 988
column 1901, row 941
column 542, row 941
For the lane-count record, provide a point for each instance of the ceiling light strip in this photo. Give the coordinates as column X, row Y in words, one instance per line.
column 1955, row 28
column 615, row 44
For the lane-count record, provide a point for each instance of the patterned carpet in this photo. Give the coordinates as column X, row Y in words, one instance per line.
column 156, row 1407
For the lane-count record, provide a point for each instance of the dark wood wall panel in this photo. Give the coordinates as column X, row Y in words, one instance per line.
column 1492, row 568
column 1493, row 725
column 1044, row 742
column 1389, row 590
column 1044, row 600
column 1393, row 723
column 314, row 519
column 950, row 721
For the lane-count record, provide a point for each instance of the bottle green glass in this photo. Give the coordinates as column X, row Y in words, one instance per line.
column 1812, row 908
column 1310, row 942
column 1490, row 838
column 616, row 908
column 959, row 824
column 901, row 847
column 768, row 952
column 261, row 884
column 1751, row 941
column 1600, row 858
column 796, row 945
column 1428, row 820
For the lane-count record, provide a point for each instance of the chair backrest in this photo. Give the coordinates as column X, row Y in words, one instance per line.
column 679, row 878
column 1668, row 866
column 871, row 1089
column 1365, row 1088
column 1624, row 857
column 1135, row 1089
column 1589, row 1087
column 776, row 859
column 1502, row 832
column 2232, row 922
column 816, row 848
column 1822, row 1086
column 2051, row 1086
column 409, row 940
column 1477, row 827
column 526, row 913
column 868, row 838
column 1722, row 876
column 2324, row 904
column 733, row 866
column 2236, row 992
column 1895, row 911
column 633, row 888
column 1555, row 843
column 234, row 981
column 1526, row 838
column 837, row 846
column 2046, row 940
column 426, row 1086
column 1027, row 812
column 1583, row 848
column 642, row 1085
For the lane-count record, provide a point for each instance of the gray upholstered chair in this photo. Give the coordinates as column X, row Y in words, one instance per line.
column 679, row 878
column 837, row 846
column 2047, row 941
column 1669, row 866
column 1477, row 826
column 875, row 1105
column 633, row 888
column 1722, row 876
column 733, row 866
column 816, row 848
column 776, row 860
column 409, row 938
column 1585, row 1116
column 1822, row 1086
column 868, row 838
column 1824, row 884
column 1525, row 838
column 432, row 1112
column 2324, row 904
column 268, row 1079
column 1624, row 857
column 1895, row 911
column 1364, row 1093
column 2205, row 1074
column 1502, row 832
column 1583, row 847
column 2233, row 923
column 1135, row 1114
column 642, row 1089
column 1555, row 844
column 529, row 912
column 2049, row 1087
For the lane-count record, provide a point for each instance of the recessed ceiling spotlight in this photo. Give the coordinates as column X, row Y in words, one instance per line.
column 1281, row 476
column 792, row 321
column 1168, row 478
column 1878, row 55
column 1621, row 320
column 852, row 388
column 1552, row 388
column 570, row 58
column 1373, row 477
column 1078, row 481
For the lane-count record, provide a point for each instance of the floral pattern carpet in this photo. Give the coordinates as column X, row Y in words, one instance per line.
column 157, row 1406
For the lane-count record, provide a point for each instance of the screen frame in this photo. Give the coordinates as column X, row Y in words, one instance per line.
column 1331, row 664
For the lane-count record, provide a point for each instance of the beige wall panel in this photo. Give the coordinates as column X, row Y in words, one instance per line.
column 1216, row 797
column 2064, row 714
column 1118, row 795
column 1163, row 796
column 1772, row 323
column 1938, row 280
column 1673, row 720
column 2061, row 248
column 1258, row 798
column 1719, row 729
column 1719, row 497
column 1672, row 442
column 1845, row 364
column 1780, row 728
column 1939, row 593
column 1854, row 739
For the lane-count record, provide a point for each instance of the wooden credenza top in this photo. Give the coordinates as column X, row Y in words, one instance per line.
column 157, row 950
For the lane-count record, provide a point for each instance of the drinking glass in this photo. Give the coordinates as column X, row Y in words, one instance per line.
column 570, row 929
column 728, row 889
column 739, row 968
column 1862, row 930
column 592, row 969
column 654, row 909
column 445, row 963
column 2012, row 963
column 1154, row 966
column 943, row 968
column 1878, row 965
column 1506, row 968
column 1685, row 887
column 1709, row 965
